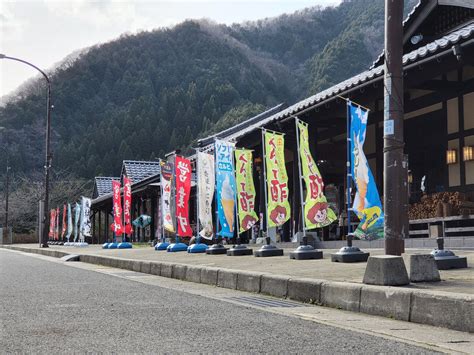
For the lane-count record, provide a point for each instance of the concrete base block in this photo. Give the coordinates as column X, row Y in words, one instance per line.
column 145, row 267
column 273, row 285
column 386, row 270
column 155, row 268
column 227, row 279
column 423, row 268
column 385, row 301
column 448, row 310
column 209, row 275
column 179, row 272
column 305, row 290
column 166, row 270
column 341, row 295
column 249, row 281
column 193, row 274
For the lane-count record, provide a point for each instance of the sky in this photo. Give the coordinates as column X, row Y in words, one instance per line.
column 43, row 32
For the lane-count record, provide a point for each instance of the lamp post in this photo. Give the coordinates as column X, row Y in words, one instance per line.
column 48, row 156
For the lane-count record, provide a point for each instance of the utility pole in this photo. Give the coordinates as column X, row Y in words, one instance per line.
column 6, row 195
column 395, row 178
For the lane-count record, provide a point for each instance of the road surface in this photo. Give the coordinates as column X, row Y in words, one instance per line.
column 53, row 307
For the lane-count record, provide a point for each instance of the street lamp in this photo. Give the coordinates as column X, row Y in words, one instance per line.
column 48, row 156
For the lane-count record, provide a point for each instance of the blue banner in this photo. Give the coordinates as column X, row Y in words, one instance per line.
column 367, row 203
column 225, row 181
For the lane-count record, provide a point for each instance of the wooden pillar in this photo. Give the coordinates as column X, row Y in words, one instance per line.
column 93, row 227
column 153, row 218
column 100, row 228
column 107, row 226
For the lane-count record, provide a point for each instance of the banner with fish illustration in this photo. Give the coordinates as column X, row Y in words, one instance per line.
column 245, row 189
column 317, row 213
column 86, row 226
column 56, row 225
column 225, row 189
column 278, row 206
column 167, row 172
column 367, row 203
column 52, row 222
column 63, row 232
column 206, row 185
column 77, row 217
column 183, row 190
column 69, row 222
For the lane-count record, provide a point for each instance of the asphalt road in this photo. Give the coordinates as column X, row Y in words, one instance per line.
column 48, row 307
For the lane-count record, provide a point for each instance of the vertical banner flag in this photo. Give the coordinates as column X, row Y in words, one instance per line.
column 367, row 203
column 63, row 232
column 52, row 221
column 183, row 190
column 69, row 222
column 245, row 189
column 278, row 206
column 77, row 216
column 86, row 226
column 225, row 181
column 127, row 205
column 317, row 214
column 206, row 176
column 118, row 228
column 166, row 200
column 56, row 225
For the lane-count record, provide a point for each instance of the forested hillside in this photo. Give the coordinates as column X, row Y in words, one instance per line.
column 143, row 95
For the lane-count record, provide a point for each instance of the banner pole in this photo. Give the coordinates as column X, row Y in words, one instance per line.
column 265, row 186
column 349, row 175
column 198, row 197
column 161, row 204
column 236, row 208
column 300, row 178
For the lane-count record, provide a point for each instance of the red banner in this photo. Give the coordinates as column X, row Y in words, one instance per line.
column 52, row 221
column 183, row 190
column 118, row 228
column 64, row 221
column 127, row 204
column 56, row 232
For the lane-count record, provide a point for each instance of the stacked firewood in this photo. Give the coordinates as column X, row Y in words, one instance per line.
column 440, row 204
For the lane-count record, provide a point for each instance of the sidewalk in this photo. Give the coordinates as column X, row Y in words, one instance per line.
column 447, row 303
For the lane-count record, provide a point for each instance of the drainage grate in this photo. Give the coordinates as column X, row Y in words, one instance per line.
column 267, row 302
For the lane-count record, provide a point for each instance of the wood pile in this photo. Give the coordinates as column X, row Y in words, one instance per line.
column 440, row 204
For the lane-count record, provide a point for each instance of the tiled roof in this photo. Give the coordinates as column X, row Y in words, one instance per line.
column 103, row 185
column 138, row 170
column 374, row 73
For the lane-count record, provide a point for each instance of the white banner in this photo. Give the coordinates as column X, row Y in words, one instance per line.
column 205, row 168
column 167, row 171
column 85, row 218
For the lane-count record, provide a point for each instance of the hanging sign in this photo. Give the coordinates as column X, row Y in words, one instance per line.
column 367, row 203
column 117, row 206
column 245, row 189
column 127, row 205
column 316, row 209
column 183, row 190
column 278, row 206
column 206, row 183
column 225, row 187
column 167, row 169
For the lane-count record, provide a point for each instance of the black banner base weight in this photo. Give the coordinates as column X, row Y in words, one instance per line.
column 451, row 262
column 268, row 250
column 239, row 250
column 216, row 249
column 350, row 255
column 306, row 252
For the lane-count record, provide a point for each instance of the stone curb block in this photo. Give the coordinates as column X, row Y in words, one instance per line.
column 155, row 268
column 249, row 281
column 193, row 274
column 179, row 271
column 136, row 265
column 386, row 301
column 305, row 290
column 227, row 279
column 341, row 295
column 443, row 310
column 166, row 270
column 145, row 267
column 209, row 275
column 274, row 285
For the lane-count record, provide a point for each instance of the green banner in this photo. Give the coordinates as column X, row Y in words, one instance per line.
column 317, row 213
column 245, row 189
column 278, row 207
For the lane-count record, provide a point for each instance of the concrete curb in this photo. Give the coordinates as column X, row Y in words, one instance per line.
column 437, row 308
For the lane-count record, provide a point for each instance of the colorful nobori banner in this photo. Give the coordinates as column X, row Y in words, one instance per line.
column 127, row 205
column 278, row 206
column 367, row 203
column 69, row 222
column 167, row 171
column 317, row 214
column 56, row 225
column 77, row 217
column 183, row 190
column 52, row 222
column 245, row 189
column 63, row 232
column 206, row 183
column 117, row 207
column 225, row 187
column 86, row 226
